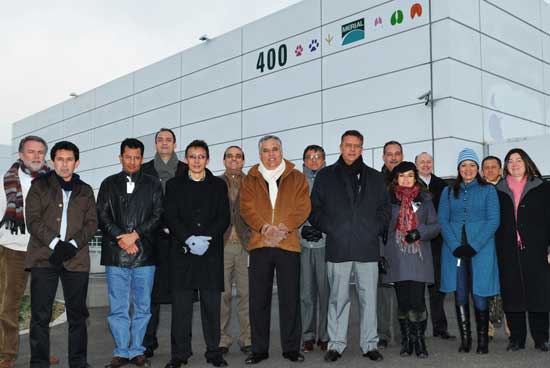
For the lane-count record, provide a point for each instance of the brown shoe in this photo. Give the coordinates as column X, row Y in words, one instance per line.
column 140, row 361
column 308, row 346
column 54, row 360
column 117, row 362
column 7, row 363
column 323, row 345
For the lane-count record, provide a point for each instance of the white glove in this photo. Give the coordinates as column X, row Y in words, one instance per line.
column 198, row 245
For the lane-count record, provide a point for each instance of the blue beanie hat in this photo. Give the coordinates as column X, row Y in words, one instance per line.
column 467, row 154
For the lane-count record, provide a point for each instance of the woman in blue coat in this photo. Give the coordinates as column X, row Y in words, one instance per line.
column 469, row 216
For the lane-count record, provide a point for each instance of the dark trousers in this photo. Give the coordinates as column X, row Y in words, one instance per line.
column 538, row 325
column 410, row 297
column 182, row 321
column 437, row 298
column 464, row 287
column 43, row 288
column 263, row 263
column 150, row 339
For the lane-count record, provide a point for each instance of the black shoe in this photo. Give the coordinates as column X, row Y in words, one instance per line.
column 374, row 355
column 293, row 356
column 445, row 335
column 217, row 361
column 176, row 363
column 382, row 344
column 463, row 319
column 247, row 349
column 224, row 350
column 332, row 356
column 482, row 326
column 515, row 346
column 255, row 358
column 542, row 346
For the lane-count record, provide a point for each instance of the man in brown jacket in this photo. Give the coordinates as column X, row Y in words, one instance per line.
column 61, row 219
column 274, row 203
column 235, row 255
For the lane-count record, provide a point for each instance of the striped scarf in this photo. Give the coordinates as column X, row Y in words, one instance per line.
column 407, row 219
column 14, row 219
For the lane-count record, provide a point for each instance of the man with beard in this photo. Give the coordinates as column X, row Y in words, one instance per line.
column 350, row 203
column 235, row 255
column 14, row 239
column 164, row 166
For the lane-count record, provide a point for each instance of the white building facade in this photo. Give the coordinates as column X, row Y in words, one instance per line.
column 320, row 67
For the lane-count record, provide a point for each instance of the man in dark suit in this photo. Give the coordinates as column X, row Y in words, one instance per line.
column 164, row 166
column 197, row 214
column 435, row 185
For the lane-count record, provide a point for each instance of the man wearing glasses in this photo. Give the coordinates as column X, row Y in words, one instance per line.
column 313, row 276
column 197, row 215
column 350, row 204
column 235, row 255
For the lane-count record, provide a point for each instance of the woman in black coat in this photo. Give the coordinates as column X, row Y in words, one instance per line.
column 522, row 242
column 197, row 214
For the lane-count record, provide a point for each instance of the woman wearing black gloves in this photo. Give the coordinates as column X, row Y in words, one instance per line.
column 522, row 240
column 469, row 216
column 408, row 253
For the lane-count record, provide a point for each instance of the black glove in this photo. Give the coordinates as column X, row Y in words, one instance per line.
column 311, row 234
column 412, row 236
column 62, row 252
column 383, row 266
column 464, row 251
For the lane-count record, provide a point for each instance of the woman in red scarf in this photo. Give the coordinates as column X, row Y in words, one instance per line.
column 408, row 252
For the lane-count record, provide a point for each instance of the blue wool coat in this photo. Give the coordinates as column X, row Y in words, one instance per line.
column 477, row 207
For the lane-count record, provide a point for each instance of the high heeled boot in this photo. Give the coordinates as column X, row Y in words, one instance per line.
column 463, row 319
column 406, row 337
column 482, row 326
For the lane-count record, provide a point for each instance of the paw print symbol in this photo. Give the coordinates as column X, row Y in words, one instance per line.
column 313, row 45
column 299, row 50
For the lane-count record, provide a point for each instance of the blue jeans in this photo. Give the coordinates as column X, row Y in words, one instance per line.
column 464, row 286
column 120, row 282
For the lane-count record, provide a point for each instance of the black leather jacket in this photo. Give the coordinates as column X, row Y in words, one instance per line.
column 120, row 213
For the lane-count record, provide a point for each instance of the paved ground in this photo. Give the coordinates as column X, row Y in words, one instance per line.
column 442, row 353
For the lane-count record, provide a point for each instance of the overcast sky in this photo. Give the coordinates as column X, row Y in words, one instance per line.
column 52, row 48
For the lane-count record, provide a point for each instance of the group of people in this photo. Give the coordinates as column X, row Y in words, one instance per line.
column 174, row 233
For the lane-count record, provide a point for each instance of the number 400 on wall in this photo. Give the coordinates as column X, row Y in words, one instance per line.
column 274, row 57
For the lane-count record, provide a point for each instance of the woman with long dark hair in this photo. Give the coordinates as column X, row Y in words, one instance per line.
column 469, row 216
column 522, row 240
column 408, row 252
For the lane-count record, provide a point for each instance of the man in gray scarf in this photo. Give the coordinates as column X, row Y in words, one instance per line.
column 165, row 165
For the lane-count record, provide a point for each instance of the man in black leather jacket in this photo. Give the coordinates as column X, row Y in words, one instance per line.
column 129, row 209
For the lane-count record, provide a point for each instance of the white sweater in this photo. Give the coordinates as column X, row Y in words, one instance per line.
column 7, row 239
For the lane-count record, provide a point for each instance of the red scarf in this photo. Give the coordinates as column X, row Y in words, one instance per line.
column 406, row 219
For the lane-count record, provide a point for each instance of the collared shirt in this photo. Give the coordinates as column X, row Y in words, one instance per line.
column 426, row 180
column 63, row 227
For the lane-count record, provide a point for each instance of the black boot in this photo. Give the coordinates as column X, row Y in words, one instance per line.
column 482, row 325
column 463, row 319
column 406, row 337
column 418, row 328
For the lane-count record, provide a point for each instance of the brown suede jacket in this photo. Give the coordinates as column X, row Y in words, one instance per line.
column 291, row 208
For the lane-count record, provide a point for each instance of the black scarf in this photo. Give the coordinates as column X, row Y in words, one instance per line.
column 67, row 186
column 353, row 173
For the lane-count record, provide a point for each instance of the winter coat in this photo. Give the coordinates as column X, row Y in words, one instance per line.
column 162, row 293
column 524, row 274
column 196, row 208
column 477, row 208
column 292, row 206
column 44, row 211
column 120, row 213
column 310, row 176
column 435, row 188
column 352, row 226
column 243, row 232
column 412, row 267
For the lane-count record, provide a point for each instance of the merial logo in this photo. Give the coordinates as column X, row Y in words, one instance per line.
column 354, row 31
column 416, row 10
column 378, row 21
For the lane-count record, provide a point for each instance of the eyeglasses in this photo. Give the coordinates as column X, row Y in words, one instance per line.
column 351, row 145
column 197, row 157
column 314, row 157
column 236, row 156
